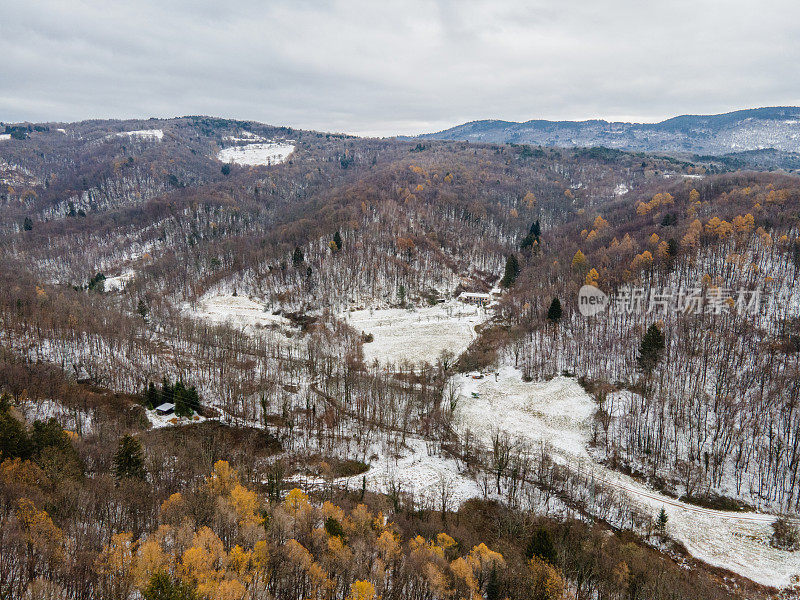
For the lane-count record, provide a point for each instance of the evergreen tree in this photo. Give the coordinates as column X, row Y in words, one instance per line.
column 401, row 295
column 14, row 440
column 179, row 396
column 337, row 239
column 151, row 397
column 650, row 349
column 27, row 224
column 167, row 391
column 46, row 434
column 226, row 169
column 493, row 585
column 142, row 309
column 297, row 256
column 511, row 272
column 554, row 312
column 129, row 459
column 97, row 282
column 541, row 546
column 192, row 399
column 162, row 587
column 672, row 247
column 52, row 449
column 533, row 235
column 661, row 521
column 334, row 528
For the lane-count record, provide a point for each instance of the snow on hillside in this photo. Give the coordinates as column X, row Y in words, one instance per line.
column 77, row 421
column 418, row 335
column 154, row 134
column 558, row 414
column 158, row 421
column 245, row 136
column 262, row 153
column 238, row 311
column 117, row 284
column 5, row 136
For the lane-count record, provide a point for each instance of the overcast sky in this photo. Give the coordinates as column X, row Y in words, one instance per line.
column 382, row 68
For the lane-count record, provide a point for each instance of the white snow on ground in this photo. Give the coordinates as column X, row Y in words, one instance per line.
column 262, row 153
column 77, row 421
column 417, row 335
column 246, row 136
column 238, row 311
column 558, row 413
column 417, row 471
column 413, row 469
column 621, row 190
column 5, row 136
column 159, row 421
column 144, row 133
column 117, row 284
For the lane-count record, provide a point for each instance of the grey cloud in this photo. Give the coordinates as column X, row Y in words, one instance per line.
column 394, row 67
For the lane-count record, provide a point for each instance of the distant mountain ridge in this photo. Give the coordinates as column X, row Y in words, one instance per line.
column 742, row 130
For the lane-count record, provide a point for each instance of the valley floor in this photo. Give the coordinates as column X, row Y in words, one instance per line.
column 418, row 335
column 558, row 414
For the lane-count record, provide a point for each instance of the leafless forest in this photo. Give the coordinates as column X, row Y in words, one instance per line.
column 111, row 244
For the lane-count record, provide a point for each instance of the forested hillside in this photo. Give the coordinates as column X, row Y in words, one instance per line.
column 277, row 304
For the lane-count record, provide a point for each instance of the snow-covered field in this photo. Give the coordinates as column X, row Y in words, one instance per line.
column 238, row 311
column 261, row 153
column 158, row 421
column 5, row 136
column 558, row 413
column 153, row 134
column 117, row 284
column 417, row 336
column 246, row 136
column 418, row 471
column 415, row 470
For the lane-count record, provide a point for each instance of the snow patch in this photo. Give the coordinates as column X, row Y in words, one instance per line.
column 558, row 414
column 152, row 134
column 246, row 136
column 77, row 421
column 418, row 335
column 118, row 283
column 5, row 136
column 262, row 153
column 238, row 311
column 158, row 421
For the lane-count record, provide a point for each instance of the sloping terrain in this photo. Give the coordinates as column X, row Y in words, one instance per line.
column 738, row 131
column 302, row 315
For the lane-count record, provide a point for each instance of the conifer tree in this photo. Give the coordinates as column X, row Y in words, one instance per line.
column 511, row 272
column 661, row 521
column 650, row 349
column 541, row 545
column 152, row 397
column 554, row 312
column 129, row 459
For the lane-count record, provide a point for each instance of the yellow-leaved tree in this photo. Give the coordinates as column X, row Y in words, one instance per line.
column 592, row 276
column 362, row 590
column 116, row 566
column 43, row 540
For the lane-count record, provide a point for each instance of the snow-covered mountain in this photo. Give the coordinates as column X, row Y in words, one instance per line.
column 742, row 130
